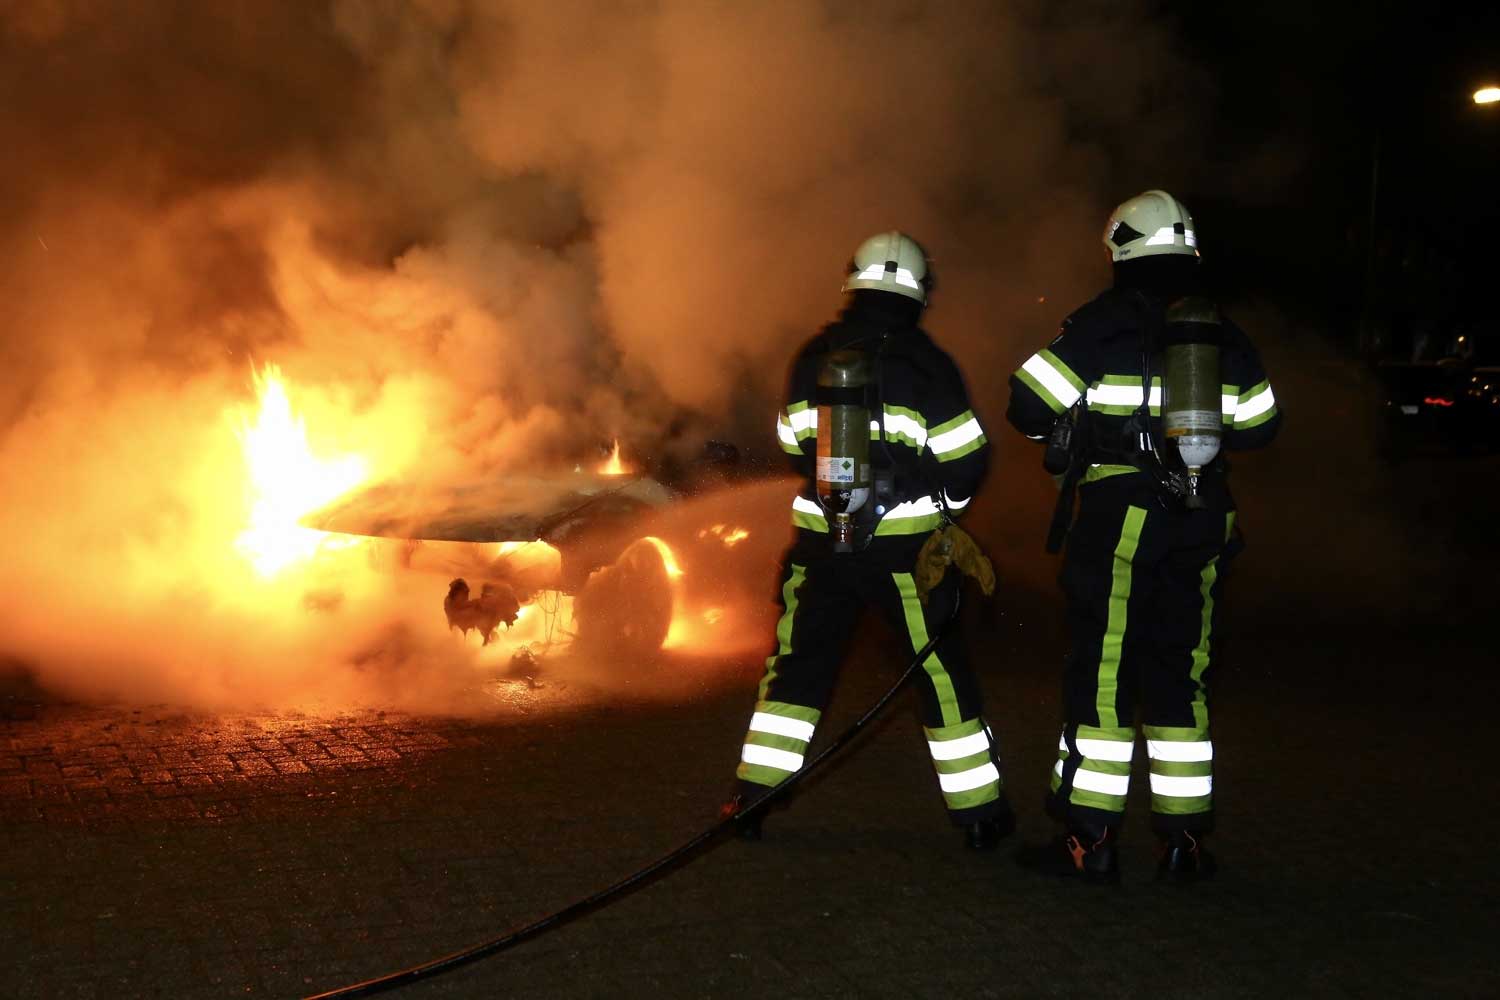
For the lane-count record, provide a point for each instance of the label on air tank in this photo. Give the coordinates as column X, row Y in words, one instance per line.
column 1180, row 422
column 840, row 470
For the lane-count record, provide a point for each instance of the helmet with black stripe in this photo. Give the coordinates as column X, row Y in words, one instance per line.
column 1152, row 222
column 890, row 262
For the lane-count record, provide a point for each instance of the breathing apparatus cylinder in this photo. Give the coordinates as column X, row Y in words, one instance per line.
column 1191, row 403
column 843, row 465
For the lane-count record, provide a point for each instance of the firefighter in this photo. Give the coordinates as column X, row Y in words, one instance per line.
column 927, row 455
column 1145, row 562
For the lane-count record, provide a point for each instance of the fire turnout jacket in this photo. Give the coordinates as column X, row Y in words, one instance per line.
column 1097, row 358
column 931, row 437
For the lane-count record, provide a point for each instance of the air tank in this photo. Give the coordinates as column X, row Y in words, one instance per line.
column 1191, row 405
column 843, row 464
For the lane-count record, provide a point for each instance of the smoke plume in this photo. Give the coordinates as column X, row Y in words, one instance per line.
column 477, row 236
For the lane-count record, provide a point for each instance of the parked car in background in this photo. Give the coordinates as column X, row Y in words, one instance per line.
column 1444, row 395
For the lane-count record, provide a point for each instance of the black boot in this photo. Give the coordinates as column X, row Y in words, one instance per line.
column 1183, row 858
column 747, row 826
column 1086, row 851
column 986, row 834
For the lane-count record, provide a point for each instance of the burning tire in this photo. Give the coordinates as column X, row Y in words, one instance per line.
column 626, row 608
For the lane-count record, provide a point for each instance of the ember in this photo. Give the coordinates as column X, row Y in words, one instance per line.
column 729, row 536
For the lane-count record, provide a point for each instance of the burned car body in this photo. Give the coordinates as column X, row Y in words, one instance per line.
column 604, row 554
column 517, row 538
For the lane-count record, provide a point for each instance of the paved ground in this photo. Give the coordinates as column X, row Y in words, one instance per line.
column 153, row 854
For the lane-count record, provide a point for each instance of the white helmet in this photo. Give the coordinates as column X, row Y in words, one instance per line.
column 890, row 262
column 1150, row 223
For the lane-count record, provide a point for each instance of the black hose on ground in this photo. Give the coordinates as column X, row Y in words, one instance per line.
column 485, row 949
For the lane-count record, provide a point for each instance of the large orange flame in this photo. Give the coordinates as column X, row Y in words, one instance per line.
column 286, row 481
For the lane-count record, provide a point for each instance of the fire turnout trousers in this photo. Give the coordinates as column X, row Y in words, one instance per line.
column 1142, row 585
column 821, row 602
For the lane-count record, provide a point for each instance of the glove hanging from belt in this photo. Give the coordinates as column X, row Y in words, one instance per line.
column 952, row 546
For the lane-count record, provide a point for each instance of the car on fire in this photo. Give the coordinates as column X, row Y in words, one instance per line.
column 574, row 545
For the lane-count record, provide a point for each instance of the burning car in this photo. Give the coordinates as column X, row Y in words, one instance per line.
column 573, row 547
column 599, row 554
column 514, row 542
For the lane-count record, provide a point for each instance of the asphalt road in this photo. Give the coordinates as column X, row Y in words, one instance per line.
column 150, row 853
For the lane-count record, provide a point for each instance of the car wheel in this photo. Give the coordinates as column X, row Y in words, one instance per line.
column 626, row 608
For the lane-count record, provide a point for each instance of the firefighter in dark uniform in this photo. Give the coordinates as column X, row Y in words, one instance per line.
column 1146, row 559
column 928, row 454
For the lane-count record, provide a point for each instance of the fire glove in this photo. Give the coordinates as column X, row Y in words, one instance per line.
column 952, row 546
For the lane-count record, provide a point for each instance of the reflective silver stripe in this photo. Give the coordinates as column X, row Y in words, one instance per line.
column 877, row 272
column 806, row 506
column 1130, row 395
column 780, row 725
column 805, row 420
column 964, row 746
column 1255, row 405
column 782, row 760
column 1178, row 787
column 955, row 504
column 1183, row 752
column 1052, row 380
column 920, row 507
column 974, row 777
column 1113, row 750
column 959, row 436
column 1122, row 395
column 1166, row 236
column 1104, row 784
column 900, row 423
column 785, row 432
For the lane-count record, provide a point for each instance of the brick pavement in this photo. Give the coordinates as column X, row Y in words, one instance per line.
column 148, row 853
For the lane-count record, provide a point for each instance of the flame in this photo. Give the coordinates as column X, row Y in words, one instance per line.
column 668, row 557
column 539, row 626
column 729, row 536
column 614, row 466
column 286, row 480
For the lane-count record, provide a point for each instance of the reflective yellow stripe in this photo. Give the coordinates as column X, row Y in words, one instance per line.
column 1113, row 644
column 916, row 628
column 783, row 627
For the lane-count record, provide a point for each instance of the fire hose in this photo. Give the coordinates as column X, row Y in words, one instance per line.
column 557, row 918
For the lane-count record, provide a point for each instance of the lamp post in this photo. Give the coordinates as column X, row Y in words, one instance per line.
column 1487, row 95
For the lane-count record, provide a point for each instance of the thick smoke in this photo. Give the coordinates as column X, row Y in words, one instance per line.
column 475, row 237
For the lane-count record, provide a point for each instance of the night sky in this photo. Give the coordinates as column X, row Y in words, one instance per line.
column 1303, row 93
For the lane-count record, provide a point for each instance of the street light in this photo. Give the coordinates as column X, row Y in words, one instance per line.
column 1484, row 95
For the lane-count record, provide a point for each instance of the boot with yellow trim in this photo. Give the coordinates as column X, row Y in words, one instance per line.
column 1085, row 850
column 1183, row 858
